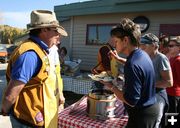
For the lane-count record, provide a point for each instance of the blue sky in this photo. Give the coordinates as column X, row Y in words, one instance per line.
column 16, row 13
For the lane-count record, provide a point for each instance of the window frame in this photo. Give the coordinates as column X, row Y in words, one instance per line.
column 97, row 25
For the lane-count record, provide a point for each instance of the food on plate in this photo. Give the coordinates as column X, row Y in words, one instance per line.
column 108, row 78
column 94, row 77
column 120, row 78
column 102, row 76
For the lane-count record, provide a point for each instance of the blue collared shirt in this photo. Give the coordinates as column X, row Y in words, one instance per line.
column 28, row 64
column 139, row 89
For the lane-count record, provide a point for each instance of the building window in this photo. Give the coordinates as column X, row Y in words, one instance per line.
column 98, row 34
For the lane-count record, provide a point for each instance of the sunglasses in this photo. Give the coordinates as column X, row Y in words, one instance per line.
column 171, row 45
column 55, row 30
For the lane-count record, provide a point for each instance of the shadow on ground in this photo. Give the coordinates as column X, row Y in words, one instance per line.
column 71, row 97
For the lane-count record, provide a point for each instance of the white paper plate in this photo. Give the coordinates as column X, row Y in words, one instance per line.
column 96, row 78
column 107, row 79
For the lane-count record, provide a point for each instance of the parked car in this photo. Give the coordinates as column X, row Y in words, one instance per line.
column 3, row 54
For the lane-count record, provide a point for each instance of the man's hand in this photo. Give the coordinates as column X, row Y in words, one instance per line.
column 61, row 99
column 61, row 103
column 11, row 94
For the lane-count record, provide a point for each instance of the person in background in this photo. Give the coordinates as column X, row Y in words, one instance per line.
column 103, row 59
column 138, row 93
column 34, row 89
column 54, row 59
column 174, row 91
column 163, row 44
column 105, row 63
column 163, row 74
column 63, row 56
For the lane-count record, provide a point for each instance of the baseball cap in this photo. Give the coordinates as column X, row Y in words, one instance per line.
column 149, row 38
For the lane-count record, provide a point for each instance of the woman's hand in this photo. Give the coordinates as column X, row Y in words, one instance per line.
column 113, row 53
column 116, row 56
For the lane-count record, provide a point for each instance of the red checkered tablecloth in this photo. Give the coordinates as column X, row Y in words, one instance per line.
column 78, row 118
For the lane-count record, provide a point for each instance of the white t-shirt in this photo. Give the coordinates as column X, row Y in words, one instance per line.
column 53, row 55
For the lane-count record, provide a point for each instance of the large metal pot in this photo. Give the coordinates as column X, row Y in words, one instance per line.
column 101, row 104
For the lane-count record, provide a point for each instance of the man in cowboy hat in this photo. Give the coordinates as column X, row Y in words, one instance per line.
column 34, row 89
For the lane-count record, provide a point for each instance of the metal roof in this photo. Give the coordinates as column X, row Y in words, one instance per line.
column 115, row 6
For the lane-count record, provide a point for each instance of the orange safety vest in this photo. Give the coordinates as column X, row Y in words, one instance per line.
column 32, row 104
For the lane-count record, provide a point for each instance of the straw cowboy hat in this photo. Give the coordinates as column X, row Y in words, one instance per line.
column 44, row 19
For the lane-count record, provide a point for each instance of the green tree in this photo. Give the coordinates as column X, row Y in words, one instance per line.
column 8, row 34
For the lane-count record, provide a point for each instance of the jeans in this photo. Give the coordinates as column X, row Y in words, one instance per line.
column 145, row 117
column 161, row 104
column 174, row 104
